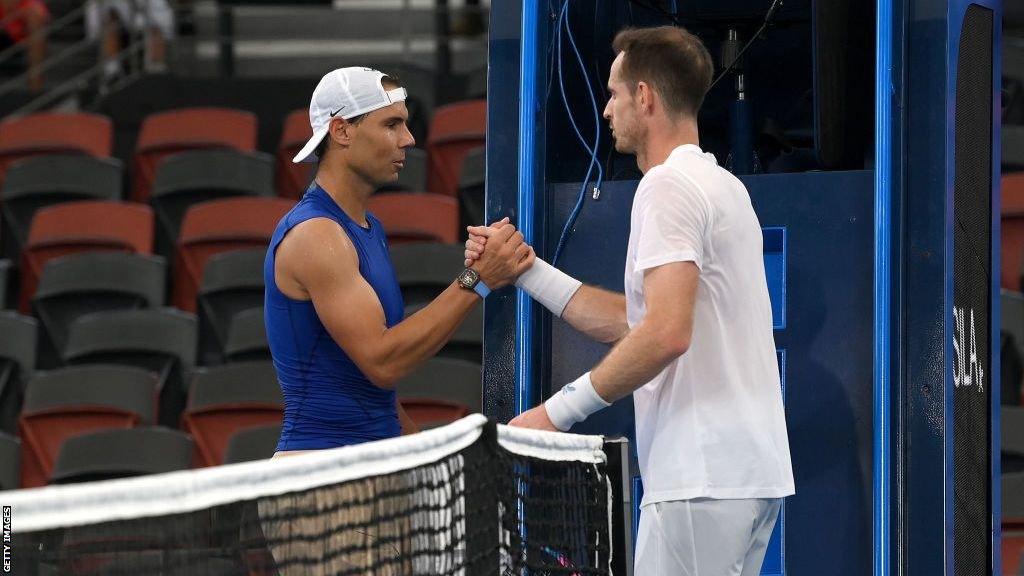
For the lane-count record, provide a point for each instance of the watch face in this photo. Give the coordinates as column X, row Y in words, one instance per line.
column 468, row 278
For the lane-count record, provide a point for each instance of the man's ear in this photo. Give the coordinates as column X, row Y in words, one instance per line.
column 644, row 96
column 341, row 131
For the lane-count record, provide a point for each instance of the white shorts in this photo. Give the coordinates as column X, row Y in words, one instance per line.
column 136, row 15
column 704, row 537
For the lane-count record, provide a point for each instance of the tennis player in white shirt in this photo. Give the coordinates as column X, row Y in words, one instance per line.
column 692, row 335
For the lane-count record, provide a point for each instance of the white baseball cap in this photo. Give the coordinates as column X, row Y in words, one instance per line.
column 345, row 93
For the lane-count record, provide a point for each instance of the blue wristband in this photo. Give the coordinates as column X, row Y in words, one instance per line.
column 481, row 289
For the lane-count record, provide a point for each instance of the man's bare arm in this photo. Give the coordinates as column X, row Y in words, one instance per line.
column 317, row 261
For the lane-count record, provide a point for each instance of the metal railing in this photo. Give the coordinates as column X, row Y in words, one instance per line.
column 94, row 75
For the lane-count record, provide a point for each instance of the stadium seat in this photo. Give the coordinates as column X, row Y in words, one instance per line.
column 455, row 130
column 78, row 284
column 17, row 363
column 467, row 343
column 62, row 403
column 232, row 282
column 413, row 177
column 429, row 414
column 1012, row 439
column 41, row 181
column 254, row 443
column 1013, row 522
column 85, row 226
column 165, row 133
column 10, row 462
column 1012, row 231
column 54, row 133
column 198, row 176
column 121, row 453
column 425, row 269
column 293, row 179
column 471, row 187
column 221, row 226
column 162, row 341
column 442, row 382
column 247, row 337
column 5, row 281
column 416, row 217
column 229, row 398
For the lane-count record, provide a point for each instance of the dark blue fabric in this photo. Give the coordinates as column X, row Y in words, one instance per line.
column 328, row 400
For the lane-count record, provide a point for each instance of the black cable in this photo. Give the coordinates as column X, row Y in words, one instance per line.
column 767, row 20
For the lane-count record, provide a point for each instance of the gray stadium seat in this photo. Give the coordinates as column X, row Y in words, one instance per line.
column 5, row 281
column 1013, row 496
column 256, row 443
column 126, row 388
column 17, row 362
column 446, row 379
column 229, row 398
column 471, row 187
column 1012, row 438
column 78, row 284
column 191, row 177
column 232, row 282
column 163, row 341
column 413, row 177
column 247, row 337
column 70, row 401
column 467, row 341
column 117, row 453
column 235, row 383
column 40, row 181
column 10, row 461
column 425, row 269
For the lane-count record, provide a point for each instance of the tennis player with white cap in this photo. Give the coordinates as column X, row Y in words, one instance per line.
column 334, row 311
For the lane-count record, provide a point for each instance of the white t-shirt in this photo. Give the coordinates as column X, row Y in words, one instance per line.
column 711, row 424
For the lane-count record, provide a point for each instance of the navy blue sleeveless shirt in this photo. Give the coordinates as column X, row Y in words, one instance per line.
column 328, row 401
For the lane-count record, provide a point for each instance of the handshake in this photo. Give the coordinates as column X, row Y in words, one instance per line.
column 498, row 253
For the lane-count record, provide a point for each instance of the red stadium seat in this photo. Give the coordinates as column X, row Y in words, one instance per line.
column 227, row 399
column 416, row 217
column 54, row 133
column 292, row 179
column 1012, row 235
column 63, row 403
column 432, row 413
column 85, row 226
column 455, row 130
column 220, row 226
column 166, row 133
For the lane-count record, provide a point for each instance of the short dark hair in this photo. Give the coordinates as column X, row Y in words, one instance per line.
column 672, row 60
column 389, row 81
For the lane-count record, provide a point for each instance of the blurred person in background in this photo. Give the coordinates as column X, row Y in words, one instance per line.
column 23, row 21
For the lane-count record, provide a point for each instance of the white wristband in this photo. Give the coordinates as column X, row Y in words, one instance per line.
column 549, row 286
column 574, row 403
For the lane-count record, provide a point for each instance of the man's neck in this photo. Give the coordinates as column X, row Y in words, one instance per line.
column 347, row 189
column 662, row 139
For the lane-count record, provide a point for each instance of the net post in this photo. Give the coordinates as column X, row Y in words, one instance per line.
column 483, row 478
column 620, row 479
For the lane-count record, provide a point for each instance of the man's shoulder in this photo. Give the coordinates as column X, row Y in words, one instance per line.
column 314, row 239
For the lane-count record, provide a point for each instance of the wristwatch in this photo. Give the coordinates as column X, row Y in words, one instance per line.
column 470, row 280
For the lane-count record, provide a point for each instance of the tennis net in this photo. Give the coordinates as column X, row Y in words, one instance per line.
column 469, row 498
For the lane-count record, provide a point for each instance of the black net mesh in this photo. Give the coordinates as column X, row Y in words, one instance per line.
column 479, row 510
column 972, row 281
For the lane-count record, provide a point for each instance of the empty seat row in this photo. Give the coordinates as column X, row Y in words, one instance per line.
column 455, row 129
column 64, row 403
column 207, row 228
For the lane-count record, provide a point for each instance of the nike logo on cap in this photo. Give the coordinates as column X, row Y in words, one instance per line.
column 335, row 113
